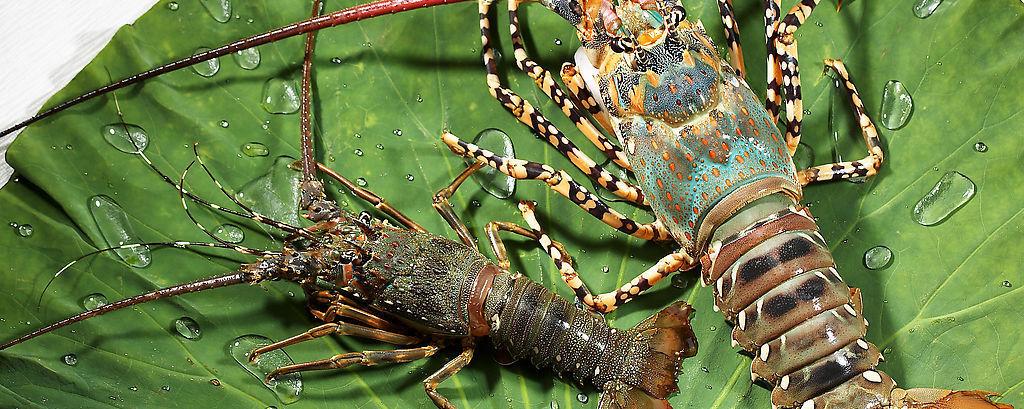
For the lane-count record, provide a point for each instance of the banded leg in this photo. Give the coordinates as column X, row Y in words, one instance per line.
column 528, row 115
column 583, row 98
column 373, row 199
column 773, row 99
column 340, row 328
column 606, row 302
column 364, row 358
column 732, row 36
column 785, row 48
column 443, row 206
column 866, row 167
column 451, row 368
column 560, row 182
column 545, row 81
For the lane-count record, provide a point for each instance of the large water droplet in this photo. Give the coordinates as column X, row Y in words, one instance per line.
column 1007, row 283
column 275, row 194
column 281, row 96
column 949, row 194
column 229, row 233
column 981, row 147
column 254, row 149
column 25, row 230
column 361, row 182
column 925, row 8
column 113, row 225
column 206, row 68
column 897, row 104
column 248, row 58
column 288, row 388
column 220, row 10
column 94, row 301
column 492, row 181
column 877, row 257
column 117, row 135
column 172, row 6
column 70, row 359
column 187, row 327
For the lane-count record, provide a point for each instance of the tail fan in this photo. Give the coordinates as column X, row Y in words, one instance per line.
column 662, row 341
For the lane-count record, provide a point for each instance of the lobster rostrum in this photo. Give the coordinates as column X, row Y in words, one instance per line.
column 719, row 178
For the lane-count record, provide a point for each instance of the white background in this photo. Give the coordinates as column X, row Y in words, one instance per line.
column 43, row 44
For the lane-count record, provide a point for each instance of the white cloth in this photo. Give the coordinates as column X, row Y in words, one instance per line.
column 43, row 44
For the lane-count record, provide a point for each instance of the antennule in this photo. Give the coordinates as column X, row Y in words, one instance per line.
column 190, row 287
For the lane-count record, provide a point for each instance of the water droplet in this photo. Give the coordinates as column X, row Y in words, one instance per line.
column 187, row 327
column 819, row 24
column 288, row 388
column 255, row 149
column 112, row 222
column 14, row 225
column 248, row 58
column 206, row 68
column 1007, row 283
column 410, row 177
column 682, row 280
column 605, row 269
column 358, row 135
column 981, row 147
column 220, row 10
column 94, row 301
column 229, row 233
column 134, row 388
column 553, row 405
column 215, row 382
column 475, row 203
column 897, row 104
column 70, row 359
column 224, row 123
column 491, row 180
column 949, row 194
column 713, row 328
column 172, row 6
column 336, row 60
column 275, row 194
column 398, row 132
column 877, row 257
column 358, row 152
column 380, row 146
column 419, row 98
column 705, row 369
column 281, row 96
column 558, row 41
column 925, row 8
column 68, row 147
column 361, row 182
column 166, row 388
column 582, row 397
column 117, row 136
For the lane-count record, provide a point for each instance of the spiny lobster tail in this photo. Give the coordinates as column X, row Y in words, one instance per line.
column 337, row 18
column 190, row 287
column 662, row 341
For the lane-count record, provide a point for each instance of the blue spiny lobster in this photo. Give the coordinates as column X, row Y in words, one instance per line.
column 712, row 166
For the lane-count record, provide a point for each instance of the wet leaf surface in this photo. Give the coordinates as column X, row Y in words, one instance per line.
column 946, row 311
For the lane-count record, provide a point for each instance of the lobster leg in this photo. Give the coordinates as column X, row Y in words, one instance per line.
column 773, row 99
column 560, row 182
column 732, row 36
column 606, row 302
column 372, row 198
column 340, row 306
column 528, row 115
column 859, row 168
column 583, row 98
column 365, row 358
column 785, row 50
column 547, row 84
column 342, row 328
column 451, row 368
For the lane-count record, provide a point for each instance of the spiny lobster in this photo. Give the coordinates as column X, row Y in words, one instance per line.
column 407, row 287
column 593, row 32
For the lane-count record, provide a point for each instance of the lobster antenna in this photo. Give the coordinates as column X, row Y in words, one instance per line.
column 337, row 18
column 190, row 287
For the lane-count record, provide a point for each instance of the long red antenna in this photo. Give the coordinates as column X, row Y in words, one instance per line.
column 349, row 15
column 190, row 287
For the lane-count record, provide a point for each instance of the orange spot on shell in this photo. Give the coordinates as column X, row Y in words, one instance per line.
column 704, row 176
column 672, row 166
column 739, row 158
column 661, row 185
column 679, row 175
column 696, row 210
column 715, row 172
column 689, row 157
column 668, row 195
